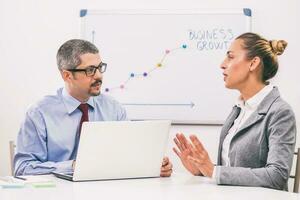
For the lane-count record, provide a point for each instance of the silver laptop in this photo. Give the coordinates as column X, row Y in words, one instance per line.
column 120, row 150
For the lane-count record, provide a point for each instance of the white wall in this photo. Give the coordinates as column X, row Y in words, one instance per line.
column 31, row 32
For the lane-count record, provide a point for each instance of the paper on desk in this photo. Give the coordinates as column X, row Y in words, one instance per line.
column 8, row 182
column 36, row 181
column 33, row 179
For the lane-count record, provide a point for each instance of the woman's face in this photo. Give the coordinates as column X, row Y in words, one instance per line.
column 236, row 67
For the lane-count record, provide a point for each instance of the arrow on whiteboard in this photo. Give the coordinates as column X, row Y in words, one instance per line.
column 159, row 104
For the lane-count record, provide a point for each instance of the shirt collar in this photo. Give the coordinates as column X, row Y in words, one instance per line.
column 254, row 101
column 72, row 104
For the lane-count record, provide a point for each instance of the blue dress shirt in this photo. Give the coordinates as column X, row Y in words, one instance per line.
column 48, row 138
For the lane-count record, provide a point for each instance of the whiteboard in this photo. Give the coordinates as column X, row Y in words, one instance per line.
column 165, row 64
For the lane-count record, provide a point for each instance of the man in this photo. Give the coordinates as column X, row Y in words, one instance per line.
column 49, row 136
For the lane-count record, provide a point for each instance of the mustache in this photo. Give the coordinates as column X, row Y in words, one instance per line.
column 96, row 83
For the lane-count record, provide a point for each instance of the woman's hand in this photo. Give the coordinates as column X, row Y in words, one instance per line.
column 193, row 155
column 183, row 152
column 200, row 157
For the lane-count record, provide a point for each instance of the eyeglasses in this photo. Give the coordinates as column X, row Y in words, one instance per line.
column 91, row 70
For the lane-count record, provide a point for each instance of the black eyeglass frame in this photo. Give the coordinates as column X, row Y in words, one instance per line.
column 91, row 70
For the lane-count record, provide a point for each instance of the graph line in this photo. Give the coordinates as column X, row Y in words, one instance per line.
column 145, row 73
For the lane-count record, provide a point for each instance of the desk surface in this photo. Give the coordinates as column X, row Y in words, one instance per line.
column 179, row 186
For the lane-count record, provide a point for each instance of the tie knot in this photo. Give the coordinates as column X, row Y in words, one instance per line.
column 83, row 107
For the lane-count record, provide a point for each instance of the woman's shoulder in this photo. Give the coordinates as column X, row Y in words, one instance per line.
column 274, row 103
column 281, row 110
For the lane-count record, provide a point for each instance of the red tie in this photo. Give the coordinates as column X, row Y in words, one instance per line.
column 84, row 108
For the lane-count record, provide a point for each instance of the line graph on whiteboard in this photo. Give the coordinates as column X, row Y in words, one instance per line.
column 146, row 74
column 142, row 75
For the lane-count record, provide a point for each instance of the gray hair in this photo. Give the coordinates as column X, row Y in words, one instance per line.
column 68, row 55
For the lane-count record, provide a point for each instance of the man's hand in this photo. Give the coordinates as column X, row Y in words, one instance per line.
column 166, row 168
column 184, row 152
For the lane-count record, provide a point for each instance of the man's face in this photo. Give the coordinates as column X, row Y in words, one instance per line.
column 82, row 86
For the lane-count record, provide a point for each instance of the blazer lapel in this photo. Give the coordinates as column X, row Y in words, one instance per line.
column 227, row 125
column 253, row 119
column 229, row 122
column 259, row 114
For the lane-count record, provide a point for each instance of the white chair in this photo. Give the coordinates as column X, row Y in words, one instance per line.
column 296, row 177
column 12, row 147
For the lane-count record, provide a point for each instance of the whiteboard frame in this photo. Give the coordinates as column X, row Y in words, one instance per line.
column 248, row 27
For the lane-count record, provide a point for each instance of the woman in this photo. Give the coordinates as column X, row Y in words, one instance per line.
column 258, row 138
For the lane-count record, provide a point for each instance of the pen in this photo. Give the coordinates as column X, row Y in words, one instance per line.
column 18, row 177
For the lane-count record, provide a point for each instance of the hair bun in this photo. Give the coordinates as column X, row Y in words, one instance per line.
column 278, row 46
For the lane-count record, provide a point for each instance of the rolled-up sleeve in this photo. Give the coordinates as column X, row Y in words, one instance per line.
column 31, row 155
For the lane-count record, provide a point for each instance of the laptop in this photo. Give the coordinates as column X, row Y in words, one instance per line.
column 111, row 150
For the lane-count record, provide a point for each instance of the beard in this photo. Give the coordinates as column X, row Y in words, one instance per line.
column 95, row 93
column 92, row 90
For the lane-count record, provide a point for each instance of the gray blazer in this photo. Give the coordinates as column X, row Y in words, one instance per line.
column 261, row 152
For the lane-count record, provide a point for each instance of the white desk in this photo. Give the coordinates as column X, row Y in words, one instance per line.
column 179, row 186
